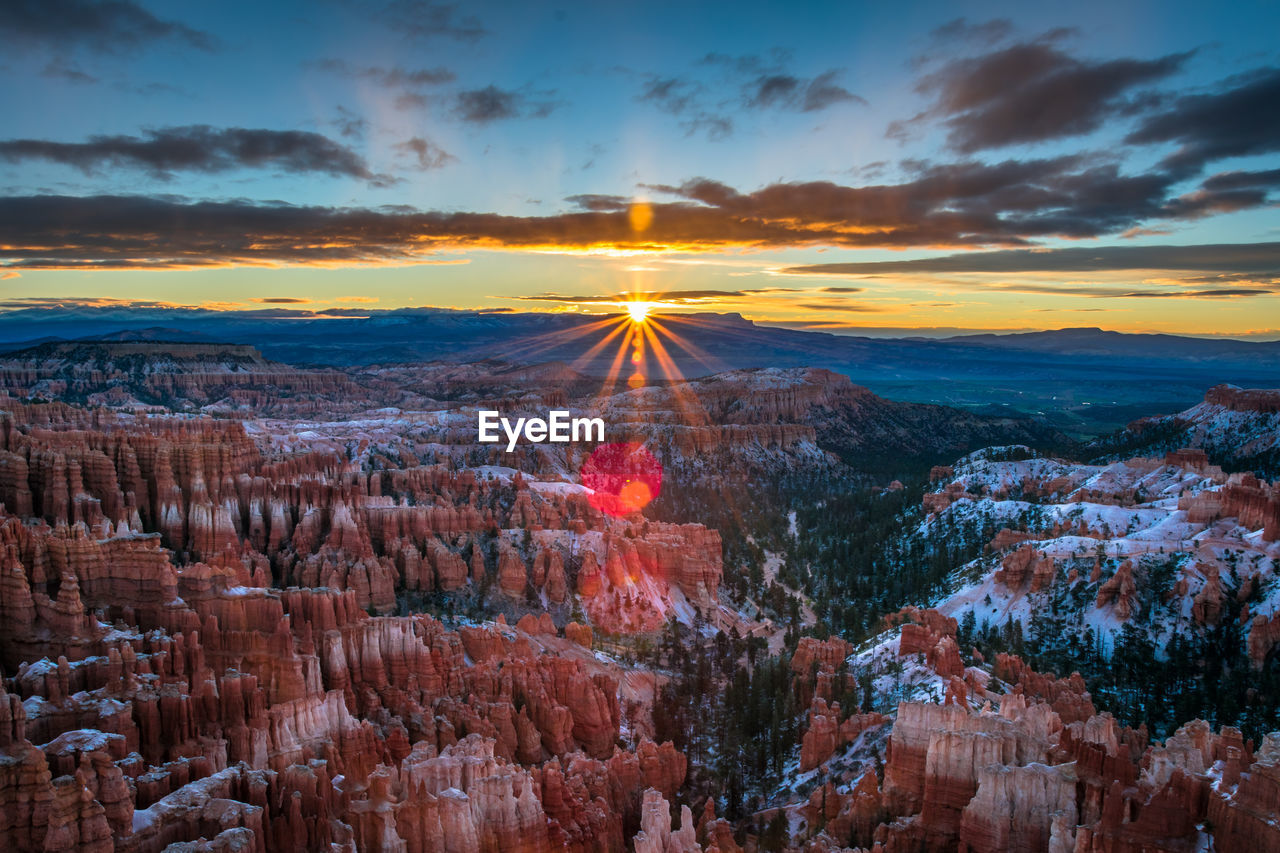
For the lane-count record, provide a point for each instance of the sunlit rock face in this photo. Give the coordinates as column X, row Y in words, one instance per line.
column 192, row 648
column 1030, row 765
column 212, row 631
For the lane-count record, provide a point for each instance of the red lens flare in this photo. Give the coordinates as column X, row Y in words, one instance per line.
column 623, row 477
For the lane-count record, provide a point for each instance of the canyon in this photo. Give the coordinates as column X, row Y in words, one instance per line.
column 245, row 606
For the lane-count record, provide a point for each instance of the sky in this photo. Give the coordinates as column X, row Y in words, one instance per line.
column 870, row 168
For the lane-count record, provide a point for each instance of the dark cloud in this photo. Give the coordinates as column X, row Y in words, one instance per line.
column 411, row 101
column 1204, row 202
column 394, row 77
column 762, row 81
column 686, row 99
column 767, row 84
column 1226, row 181
column 963, row 203
column 85, row 302
column 60, row 69
column 841, row 289
column 112, row 26
column 482, row 106
column 717, row 128
column 1010, row 203
column 280, row 300
column 600, row 202
column 1221, row 293
column 672, row 296
column 784, row 91
column 1032, row 92
column 670, row 94
column 427, row 20
column 1243, row 258
column 775, row 61
column 850, row 307
column 350, row 124
column 1224, row 192
column 199, row 148
column 985, row 32
column 1241, row 119
column 427, row 153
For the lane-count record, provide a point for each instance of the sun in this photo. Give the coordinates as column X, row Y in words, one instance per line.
column 638, row 311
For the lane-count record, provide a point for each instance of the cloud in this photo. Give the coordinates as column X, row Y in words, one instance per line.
column 852, row 307
column 118, row 26
column 1237, row 121
column 84, row 302
column 200, row 148
column 393, row 77
column 349, row 124
column 1220, row 293
column 5, row 276
column 482, row 106
column 750, row 64
column 763, row 83
column 783, row 91
column 281, row 300
column 427, row 20
column 600, row 201
column 971, row 204
column 1031, row 92
column 1245, row 258
column 961, row 29
column 669, row 296
column 1268, row 179
column 686, row 99
column 966, row 203
column 717, row 128
column 361, row 299
column 410, row 101
column 428, row 154
column 670, row 94
column 58, row 68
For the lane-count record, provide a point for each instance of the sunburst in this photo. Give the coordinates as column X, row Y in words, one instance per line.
column 638, row 311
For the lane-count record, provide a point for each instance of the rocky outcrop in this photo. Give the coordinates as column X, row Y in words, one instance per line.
column 828, row 732
column 1026, row 569
column 932, row 635
column 1236, row 399
column 1119, row 592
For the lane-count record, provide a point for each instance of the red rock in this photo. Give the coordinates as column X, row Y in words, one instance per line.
column 580, row 634
column 512, row 573
column 1207, row 606
column 1026, row 566
column 1119, row 592
column 557, row 583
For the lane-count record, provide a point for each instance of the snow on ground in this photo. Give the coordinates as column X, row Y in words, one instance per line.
column 1105, row 515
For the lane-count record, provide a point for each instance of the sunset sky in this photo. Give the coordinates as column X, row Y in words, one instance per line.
column 863, row 167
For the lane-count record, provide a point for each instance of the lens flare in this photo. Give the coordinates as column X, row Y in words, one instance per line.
column 639, row 311
column 623, row 478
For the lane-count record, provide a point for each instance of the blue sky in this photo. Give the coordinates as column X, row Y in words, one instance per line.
column 522, row 110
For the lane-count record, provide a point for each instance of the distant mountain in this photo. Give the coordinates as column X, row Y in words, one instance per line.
column 154, row 333
column 1100, row 342
column 1088, row 381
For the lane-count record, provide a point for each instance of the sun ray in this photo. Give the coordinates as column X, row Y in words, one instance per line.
column 583, row 362
column 546, row 341
column 611, row 378
column 710, row 362
column 694, row 413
